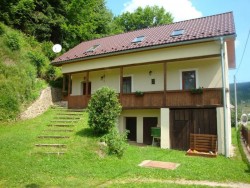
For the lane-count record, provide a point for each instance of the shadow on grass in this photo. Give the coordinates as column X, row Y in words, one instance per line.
column 32, row 185
column 88, row 132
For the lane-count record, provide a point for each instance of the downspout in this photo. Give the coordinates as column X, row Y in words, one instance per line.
column 224, row 96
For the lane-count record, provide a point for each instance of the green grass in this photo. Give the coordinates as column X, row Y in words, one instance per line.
column 22, row 165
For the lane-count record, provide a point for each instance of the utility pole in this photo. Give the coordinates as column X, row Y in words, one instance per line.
column 235, row 105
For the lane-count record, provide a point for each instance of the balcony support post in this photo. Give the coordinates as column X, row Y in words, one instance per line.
column 121, row 83
column 165, row 83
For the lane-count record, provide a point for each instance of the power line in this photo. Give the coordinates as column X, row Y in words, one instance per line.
column 243, row 53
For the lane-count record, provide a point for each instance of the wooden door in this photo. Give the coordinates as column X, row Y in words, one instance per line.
column 186, row 121
column 148, row 122
column 180, row 128
column 131, row 127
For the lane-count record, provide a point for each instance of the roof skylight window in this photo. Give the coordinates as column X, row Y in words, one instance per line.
column 138, row 39
column 178, row 32
column 93, row 48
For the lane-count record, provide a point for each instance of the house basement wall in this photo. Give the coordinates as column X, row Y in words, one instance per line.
column 139, row 114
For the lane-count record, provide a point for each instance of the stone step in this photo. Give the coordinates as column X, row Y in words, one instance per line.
column 59, row 130
column 65, row 120
column 67, row 117
column 70, row 114
column 61, row 125
column 51, row 145
column 54, row 153
column 51, row 136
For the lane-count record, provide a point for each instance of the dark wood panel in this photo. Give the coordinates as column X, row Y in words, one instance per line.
column 174, row 99
column 131, row 127
column 183, row 122
column 148, row 123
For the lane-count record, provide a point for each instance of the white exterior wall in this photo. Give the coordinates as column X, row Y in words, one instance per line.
column 165, row 128
column 208, row 76
column 168, row 53
column 139, row 114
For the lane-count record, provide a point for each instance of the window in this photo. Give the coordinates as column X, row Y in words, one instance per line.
column 93, row 48
column 138, row 39
column 177, row 32
column 127, row 83
column 188, row 80
column 84, row 88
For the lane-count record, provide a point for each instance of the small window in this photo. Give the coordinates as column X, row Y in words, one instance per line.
column 127, row 84
column 138, row 39
column 93, row 48
column 177, row 32
column 188, row 80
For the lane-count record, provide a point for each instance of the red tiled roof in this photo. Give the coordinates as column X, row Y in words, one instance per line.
column 195, row 29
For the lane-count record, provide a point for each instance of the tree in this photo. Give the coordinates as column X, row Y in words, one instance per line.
column 59, row 21
column 104, row 109
column 143, row 18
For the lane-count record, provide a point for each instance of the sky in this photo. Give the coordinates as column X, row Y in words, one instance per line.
column 188, row 9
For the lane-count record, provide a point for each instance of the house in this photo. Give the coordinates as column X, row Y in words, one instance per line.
column 172, row 76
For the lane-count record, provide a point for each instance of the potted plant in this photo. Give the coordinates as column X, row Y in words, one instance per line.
column 139, row 93
column 197, row 90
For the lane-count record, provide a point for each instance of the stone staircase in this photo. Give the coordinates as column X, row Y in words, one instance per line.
column 55, row 137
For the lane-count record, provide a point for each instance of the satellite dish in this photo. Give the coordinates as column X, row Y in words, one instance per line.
column 57, row 48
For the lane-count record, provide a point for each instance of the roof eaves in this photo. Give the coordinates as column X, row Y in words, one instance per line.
column 144, row 48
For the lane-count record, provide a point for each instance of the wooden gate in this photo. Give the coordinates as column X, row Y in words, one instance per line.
column 186, row 121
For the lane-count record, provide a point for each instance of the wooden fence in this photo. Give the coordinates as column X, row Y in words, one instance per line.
column 246, row 135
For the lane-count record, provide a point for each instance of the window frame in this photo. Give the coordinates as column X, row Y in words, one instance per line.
column 196, row 77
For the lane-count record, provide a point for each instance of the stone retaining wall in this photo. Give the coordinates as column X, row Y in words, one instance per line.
column 46, row 99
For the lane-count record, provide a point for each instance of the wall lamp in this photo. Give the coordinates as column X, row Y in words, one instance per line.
column 103, row 77
column 150, row 73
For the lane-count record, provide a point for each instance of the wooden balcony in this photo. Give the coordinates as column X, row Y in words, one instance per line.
column 171, row 99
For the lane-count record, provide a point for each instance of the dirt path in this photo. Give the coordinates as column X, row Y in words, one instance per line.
column 180, row 181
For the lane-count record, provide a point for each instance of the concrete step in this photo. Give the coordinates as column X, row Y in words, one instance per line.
column 51, row 145
column 51, row 136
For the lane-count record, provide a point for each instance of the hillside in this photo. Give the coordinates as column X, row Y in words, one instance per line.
column 243, row 92
column 24, row 67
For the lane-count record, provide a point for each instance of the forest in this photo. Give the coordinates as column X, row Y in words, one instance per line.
column 29, row 29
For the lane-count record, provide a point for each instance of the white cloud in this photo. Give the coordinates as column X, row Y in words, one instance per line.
column 180, row 9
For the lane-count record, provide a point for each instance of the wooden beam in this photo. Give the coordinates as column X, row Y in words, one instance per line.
column 64, row 82
column 165, row 83
column 87, row 83
column 121, row 82
column 69, row 84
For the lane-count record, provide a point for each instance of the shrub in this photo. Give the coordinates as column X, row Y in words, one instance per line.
column 2, row 31
column 9, row 104
column 116, row 142
column 104, row 109
column 39, row 60
column 12, row 41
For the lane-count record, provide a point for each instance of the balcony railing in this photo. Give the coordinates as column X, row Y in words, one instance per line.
column 159, row 99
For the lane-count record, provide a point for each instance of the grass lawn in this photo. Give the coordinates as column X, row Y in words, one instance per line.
column 22, row 165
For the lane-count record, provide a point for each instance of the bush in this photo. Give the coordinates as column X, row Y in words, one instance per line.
column 104, row 109
column 12, row 41
column 9, row 103
column 39, row 60
column 116, row 142
column 2, row 31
